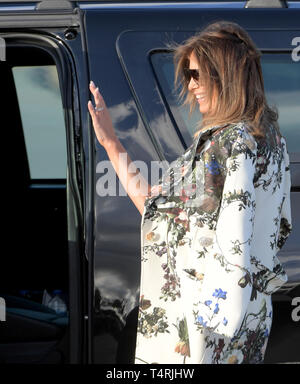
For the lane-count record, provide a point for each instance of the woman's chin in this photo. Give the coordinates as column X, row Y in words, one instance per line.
column 202, row 109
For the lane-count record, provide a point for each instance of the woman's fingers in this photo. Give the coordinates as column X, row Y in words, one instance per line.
column 97, row 127
column 97, row 96
column 93, row 114
column 91, row 109
column 92, row 87
column 102, row 122
column 99, row 103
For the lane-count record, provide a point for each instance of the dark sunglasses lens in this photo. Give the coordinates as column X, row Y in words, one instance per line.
column 195, row 74
column 187, row 74
column 191, row 73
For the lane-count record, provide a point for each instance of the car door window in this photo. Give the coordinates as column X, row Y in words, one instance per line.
column 42, row 118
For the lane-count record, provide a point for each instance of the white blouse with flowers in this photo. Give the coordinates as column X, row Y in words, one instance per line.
column 209, row 246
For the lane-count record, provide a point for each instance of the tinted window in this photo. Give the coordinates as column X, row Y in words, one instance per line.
column 282, row 87
column 42, row 119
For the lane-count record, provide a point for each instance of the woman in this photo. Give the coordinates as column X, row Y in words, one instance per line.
column 213, row 225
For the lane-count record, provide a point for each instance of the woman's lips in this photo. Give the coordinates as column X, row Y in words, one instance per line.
column 200, row 99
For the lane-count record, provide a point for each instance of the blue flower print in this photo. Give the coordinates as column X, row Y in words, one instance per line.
column 266, row 334
column 219, row 294
column 213, row 167
column 225, row 321
column 200, row 321
column 207, row 302
column 216, row 310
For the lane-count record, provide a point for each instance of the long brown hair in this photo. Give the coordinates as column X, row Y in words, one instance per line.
column 229, row 63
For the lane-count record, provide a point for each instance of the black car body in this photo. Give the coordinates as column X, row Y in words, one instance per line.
column 69, row 274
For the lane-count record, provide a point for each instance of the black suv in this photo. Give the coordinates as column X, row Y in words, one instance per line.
column 70, row 264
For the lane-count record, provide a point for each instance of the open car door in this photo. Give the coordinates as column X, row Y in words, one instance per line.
column 43, row 274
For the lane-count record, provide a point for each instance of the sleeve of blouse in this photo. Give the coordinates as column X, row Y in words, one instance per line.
column 286, row 217
column 225, row 292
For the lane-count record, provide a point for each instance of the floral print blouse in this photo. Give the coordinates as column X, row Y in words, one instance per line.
column 209, row 243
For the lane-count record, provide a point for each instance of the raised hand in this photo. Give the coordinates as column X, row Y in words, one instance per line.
column 102, row 122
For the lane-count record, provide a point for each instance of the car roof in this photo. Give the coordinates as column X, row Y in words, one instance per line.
column 68, row 4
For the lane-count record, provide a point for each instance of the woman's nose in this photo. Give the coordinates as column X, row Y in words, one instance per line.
column 193, row 84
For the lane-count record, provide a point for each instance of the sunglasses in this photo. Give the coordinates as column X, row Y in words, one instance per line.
column 191, row 73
